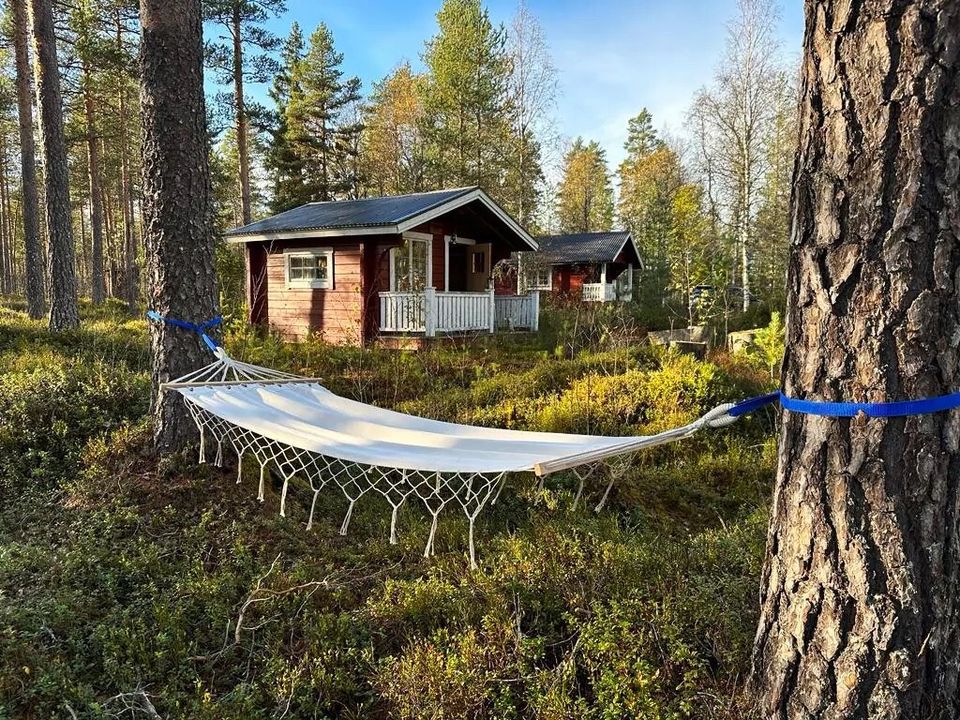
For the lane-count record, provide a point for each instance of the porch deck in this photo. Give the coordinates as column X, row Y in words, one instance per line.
column 430, row 312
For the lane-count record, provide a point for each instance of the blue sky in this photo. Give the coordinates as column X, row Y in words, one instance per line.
column 613, row 56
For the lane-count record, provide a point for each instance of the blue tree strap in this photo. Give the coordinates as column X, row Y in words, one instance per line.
column 899, row 408
column 200, row 329
column 748, row 406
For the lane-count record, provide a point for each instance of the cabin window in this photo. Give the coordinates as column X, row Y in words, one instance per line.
column 538, row 278
column 410, row 265
column 309, row 269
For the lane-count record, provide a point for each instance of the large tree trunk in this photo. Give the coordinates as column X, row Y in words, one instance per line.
column 177, row 201
column 860, row 603
column 243, row 155
column 33, row 252
column 64, row 313
column 97, row 287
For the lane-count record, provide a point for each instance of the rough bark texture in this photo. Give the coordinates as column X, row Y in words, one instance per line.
column 63, row 272
column 243, row 155
column 861, row 589
column 177, row 201
column 33, row 254
column 98, row 288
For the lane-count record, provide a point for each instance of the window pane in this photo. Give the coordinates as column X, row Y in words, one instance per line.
column 320, row 269
column 419, row 269
column 479, row 261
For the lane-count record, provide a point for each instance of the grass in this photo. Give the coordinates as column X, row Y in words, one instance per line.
column 126, row 581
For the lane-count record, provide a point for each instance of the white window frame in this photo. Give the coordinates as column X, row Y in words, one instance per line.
column 318, row 284
column 410, row 238
column 523, row 282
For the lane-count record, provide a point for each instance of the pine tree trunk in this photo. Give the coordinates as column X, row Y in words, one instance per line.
column 64, row 313
column 860, row 601
column 33, row 253
column 130, row 284
column 243, row 159
column 177, row 201
column 97, row 287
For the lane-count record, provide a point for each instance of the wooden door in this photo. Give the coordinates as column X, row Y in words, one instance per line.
column 478, row 267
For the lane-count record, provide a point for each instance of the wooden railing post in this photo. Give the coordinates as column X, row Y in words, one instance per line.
column 429, row 312
column 493, row 311
column 535, row 320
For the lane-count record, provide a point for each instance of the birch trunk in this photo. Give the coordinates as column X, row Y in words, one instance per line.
column 860, row 601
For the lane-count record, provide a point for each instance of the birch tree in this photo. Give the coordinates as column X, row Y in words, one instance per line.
column 737, row 111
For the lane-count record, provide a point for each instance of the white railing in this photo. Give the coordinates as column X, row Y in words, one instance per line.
column 463, row 311
column 430, row 312
column 402, row 312
column 598, row 292
column 518, row 312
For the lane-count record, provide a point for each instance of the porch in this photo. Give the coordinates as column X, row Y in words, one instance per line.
column 620, row 289
column 430, row 312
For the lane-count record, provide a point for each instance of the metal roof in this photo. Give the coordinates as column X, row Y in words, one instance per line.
column 362, row 213
column 583, row 247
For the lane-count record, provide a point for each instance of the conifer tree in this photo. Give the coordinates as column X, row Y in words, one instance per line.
column 285, row 165
column 245, row 56
column 466, row 101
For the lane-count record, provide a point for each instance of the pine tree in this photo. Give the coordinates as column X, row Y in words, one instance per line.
column 33, row 251
column 64, row 312
column 247, row 56
column 466, row 103
column 315, row 152
column 585, row 196
column 177, row 210
column 285, row 165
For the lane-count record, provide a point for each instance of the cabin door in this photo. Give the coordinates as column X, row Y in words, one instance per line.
column 478, row 267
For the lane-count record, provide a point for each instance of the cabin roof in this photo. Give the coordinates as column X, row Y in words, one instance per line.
column 595, row 247
column 375, row 215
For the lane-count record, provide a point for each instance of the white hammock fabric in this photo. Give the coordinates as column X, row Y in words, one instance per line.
column 299, row 428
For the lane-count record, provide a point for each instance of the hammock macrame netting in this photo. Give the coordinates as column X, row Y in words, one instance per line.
column 297, row 428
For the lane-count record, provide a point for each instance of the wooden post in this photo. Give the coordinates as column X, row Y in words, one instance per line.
column 430, row 312
column 535, row 324
column 493, row 311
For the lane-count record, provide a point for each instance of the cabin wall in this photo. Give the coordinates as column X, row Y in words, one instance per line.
column 335, row 314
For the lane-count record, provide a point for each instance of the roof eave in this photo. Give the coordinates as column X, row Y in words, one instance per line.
column 306, row 234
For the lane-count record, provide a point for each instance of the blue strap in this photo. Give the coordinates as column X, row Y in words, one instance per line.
column 200, row 329
column 900, row 408
column 748, row 406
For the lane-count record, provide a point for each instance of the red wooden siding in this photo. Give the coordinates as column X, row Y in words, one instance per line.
column 334, row 314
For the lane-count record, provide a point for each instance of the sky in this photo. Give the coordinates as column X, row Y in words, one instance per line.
column 613, row 57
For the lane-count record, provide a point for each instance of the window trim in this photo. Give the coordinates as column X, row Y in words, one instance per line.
column 528, row 286
column 317, row 284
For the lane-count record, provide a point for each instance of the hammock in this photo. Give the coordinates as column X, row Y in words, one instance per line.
column 296, row 427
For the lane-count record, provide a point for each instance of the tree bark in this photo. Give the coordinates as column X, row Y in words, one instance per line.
column 33, row 253
column 177, row 210
column 130, row 284
column 64, row 313
column 860, row 600
column 243, row 155
column 98, row 289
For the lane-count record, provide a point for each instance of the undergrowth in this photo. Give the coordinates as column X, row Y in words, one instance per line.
column 128, row 585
